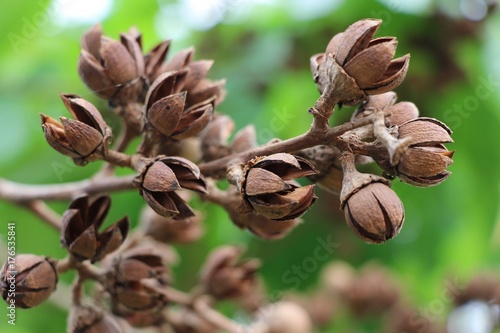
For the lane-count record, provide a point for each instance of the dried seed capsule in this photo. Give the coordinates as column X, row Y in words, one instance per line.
column 399, row 112
column 119, row 65
column 244, row 139
column 80, row 233
column 425, row 162
column 198, row 70
column 119, row 72
column 129, row 276
column 106, row 65
column 325, row 160
column 223, row 276
column 372, row 210
column 374, row 213
column 198, row 87
column 206, row 90
column 160, row 180
column 355, row 65
column 155, row 58
column 263, row 227
column 259, row 225
column 180, row 60
column 425, row 132
column 268, row 189
column 165, row 114
column 28, row 281
column 82, row 138
column 214, row 140
column 402, row 112
column 382, row 102
column 71, row 138
column 194, row 119
column 171, row 113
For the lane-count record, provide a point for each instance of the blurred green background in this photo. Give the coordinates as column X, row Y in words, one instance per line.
column 263, row 47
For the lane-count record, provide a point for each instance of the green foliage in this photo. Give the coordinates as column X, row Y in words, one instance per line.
column 449, row 230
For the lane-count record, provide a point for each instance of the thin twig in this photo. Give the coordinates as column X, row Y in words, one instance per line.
column 21, row 193
column 77, row 291
column 199, row 305
column 126, row 136
column 65, row 264
column 171, row 294
column 88, row 271
column 315, row 136
column 216, row 195
column 177, row 296
column 85, row 269
column 216, row 318
column 118, row 158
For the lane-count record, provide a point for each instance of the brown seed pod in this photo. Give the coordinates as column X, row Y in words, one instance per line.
column 355, row 65
column 28, row 281
column 268, row 190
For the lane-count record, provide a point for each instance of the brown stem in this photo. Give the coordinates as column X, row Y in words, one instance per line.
column 85, row 271
column 199, row 304
column 22, row 193
column 317, row 135
column 127, row 134
column 216, row 195
column 77, row 291
column 171, row 294
column 216, row 318
column 118, row 158
column 353, row 180
column 66, row 264
column 347, row 160
column 88, row 271
column 40, row 208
